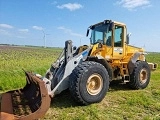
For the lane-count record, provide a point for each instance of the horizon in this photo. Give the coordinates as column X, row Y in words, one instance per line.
column 34, row 46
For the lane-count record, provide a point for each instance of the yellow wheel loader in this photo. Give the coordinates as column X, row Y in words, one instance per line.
column 86, row 71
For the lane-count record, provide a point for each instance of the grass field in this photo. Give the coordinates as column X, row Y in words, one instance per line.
column 14, row 59
column 120, row 103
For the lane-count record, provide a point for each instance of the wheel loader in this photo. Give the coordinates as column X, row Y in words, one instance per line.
column 86, row 71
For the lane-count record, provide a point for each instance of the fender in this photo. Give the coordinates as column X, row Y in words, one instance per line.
column 104, row 62
column 133, row 60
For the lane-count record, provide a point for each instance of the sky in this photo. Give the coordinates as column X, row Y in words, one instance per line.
column 52, row 22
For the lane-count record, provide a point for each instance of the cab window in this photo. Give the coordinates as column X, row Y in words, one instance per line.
column 118, row 36
column 109, row 38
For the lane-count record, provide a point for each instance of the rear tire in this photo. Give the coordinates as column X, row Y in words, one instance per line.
column 140, row 77
column 89, row 82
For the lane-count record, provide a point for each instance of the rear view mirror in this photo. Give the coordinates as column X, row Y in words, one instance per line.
column 87, row 32
column 127, row 40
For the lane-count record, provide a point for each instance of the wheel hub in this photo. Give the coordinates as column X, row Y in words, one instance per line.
column 94, row 84
column 143, row 76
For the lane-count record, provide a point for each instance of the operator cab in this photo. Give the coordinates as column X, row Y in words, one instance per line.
column 100, row 32
column 112, row 35
column 103, row 33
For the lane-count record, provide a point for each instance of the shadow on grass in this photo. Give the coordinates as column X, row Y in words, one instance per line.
column 116, row 85
column 65, row 100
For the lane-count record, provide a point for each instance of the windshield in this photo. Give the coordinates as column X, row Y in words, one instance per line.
column 99, row 33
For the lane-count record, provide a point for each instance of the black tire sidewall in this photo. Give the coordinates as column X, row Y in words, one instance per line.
column 135, row 77
column 99, row 69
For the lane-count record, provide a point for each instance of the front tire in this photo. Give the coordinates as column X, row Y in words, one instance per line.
column 140, row 77
column 89, row 82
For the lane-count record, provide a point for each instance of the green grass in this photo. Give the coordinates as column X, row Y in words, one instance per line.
column 120, row 103
column 14, row 59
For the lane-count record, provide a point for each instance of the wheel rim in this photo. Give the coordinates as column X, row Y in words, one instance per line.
column 94, row 84
column 143, row 76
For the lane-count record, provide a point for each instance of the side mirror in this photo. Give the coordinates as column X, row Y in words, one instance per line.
column 87, row 32
column 127, row 40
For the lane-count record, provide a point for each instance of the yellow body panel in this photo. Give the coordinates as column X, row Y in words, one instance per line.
column 117, row 56
column 110, row 45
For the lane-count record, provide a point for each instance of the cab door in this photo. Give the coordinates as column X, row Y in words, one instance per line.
column 118, row 40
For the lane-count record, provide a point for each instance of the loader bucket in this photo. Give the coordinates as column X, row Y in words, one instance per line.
column 28, row 103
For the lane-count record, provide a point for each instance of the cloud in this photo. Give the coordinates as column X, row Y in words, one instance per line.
column 6, row 26
column 37, row 27
column 70, row 6
column 4, row 32
column 23, row 30
column 69, row 31
column 132, row 4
